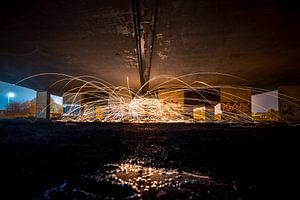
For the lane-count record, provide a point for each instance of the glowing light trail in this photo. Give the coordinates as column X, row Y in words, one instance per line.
column 165, row 102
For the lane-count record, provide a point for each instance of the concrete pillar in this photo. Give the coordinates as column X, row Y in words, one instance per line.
column 199, row 114
column 43, row 105
column 72, row 104
column 173, row 103
column 289, row 103
column 90, row 105
column 94, row 103
column 196, row 101
column 235, row 102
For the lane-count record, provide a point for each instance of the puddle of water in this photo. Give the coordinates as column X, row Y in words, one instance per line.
column 134, row 180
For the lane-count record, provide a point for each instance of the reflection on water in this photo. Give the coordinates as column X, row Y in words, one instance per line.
column 142, row 179
column 133, row 180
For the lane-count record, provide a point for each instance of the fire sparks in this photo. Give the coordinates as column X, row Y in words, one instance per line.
column 168, row 100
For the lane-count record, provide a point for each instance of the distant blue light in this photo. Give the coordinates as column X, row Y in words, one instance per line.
column 11, row 95
column 14, row 93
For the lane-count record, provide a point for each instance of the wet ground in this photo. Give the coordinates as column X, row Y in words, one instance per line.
column 45, row 160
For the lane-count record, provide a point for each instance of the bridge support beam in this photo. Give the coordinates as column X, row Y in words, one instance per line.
column 72, row 104
column 144, row 14
column 43, row 105
column 289, row 103
column 235, row 103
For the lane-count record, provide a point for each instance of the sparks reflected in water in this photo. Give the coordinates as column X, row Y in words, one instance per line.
column 142, row 178
column 133, row 180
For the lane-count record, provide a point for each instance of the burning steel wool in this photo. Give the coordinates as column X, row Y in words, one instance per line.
column 145, row 109
column 170, row 99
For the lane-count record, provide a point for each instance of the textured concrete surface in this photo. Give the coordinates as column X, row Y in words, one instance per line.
column 256, row 40
column 43, row 105
column 288, row 102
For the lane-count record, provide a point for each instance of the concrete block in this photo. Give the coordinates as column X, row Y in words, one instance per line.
column 236, row 101
column 289, row 103
column 43, row 105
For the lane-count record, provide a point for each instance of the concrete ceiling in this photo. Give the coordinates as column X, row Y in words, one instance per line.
column 255, row 39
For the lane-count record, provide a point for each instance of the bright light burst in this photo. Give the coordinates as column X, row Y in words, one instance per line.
column 98, row 100
column 11, row 95
column 145, row 109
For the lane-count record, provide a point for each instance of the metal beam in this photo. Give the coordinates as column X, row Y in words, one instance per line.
column 144, row 15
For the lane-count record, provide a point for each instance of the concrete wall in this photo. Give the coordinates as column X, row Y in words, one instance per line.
column 289, row 103
column 235, row 100
column 173, row 99
column 43, row 105
column 202, row 97
column 72, row 104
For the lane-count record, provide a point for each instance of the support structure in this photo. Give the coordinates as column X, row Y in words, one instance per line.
column 144, row 15
column 201, row 104
column 173, row 101
column 289, row 103
column 72, row 104
column 43, row 105
column 235, row 101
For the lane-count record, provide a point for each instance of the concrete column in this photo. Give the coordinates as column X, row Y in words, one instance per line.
column 200, row 104
column 94, row 104
column 72, row 104
column 289, row 103
column 43, row 105
column 235, row 101
column 173, row 102
column 88, row 105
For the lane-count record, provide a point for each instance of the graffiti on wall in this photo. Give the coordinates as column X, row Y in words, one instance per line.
column 290, row 110
column 235, row 107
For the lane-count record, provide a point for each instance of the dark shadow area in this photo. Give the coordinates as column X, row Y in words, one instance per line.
column 52, row 160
